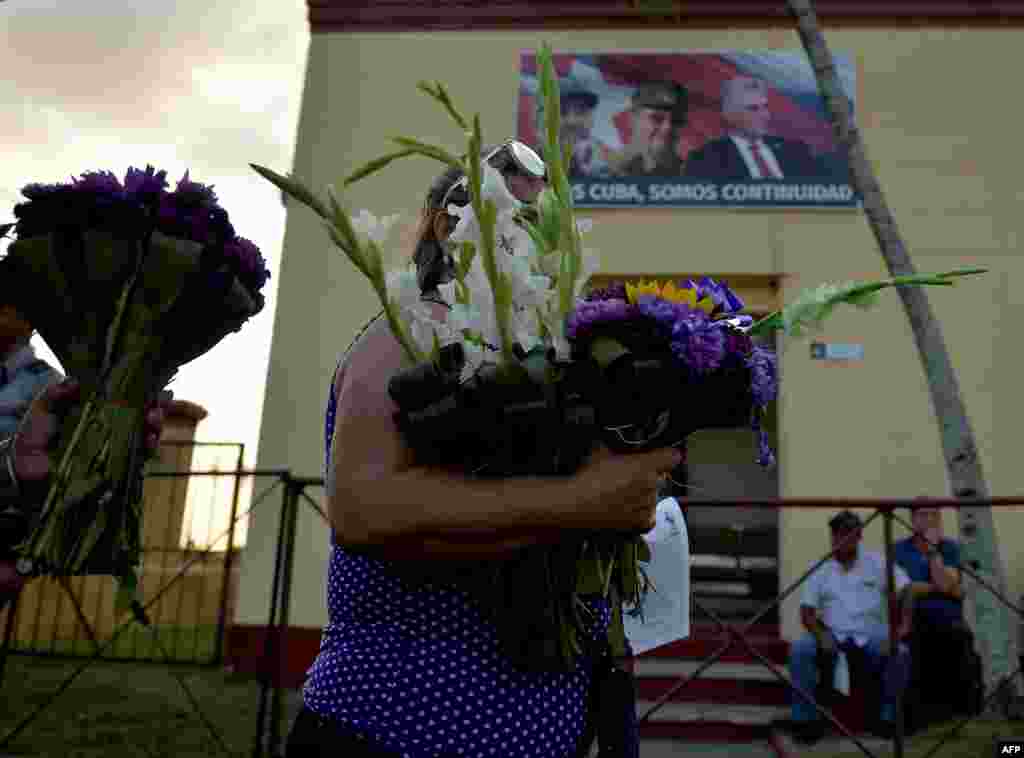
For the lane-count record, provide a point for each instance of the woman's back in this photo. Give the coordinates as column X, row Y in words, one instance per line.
column 414, row 664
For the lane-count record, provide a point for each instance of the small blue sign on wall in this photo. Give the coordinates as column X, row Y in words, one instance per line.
column 836, row 351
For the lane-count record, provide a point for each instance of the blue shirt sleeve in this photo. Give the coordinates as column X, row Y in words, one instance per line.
column 950, row 553
column 899, row 551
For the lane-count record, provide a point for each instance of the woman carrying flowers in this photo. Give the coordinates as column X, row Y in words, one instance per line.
column 410, row 663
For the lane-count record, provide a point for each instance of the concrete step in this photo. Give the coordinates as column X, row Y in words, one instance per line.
column 700, row 646
column 708, row 722
column 662, row 668
column 711, row 690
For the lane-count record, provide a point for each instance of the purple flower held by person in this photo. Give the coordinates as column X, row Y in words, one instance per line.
column 145, row 184
column 698, row 343
column 764, row 375
column 765, row 456
column 616, row 291
column 37, row 191
column 587, row 315
column 100, row 182
column 665, row 313
column 725, row 300
column 194, row 193
column 251, row 265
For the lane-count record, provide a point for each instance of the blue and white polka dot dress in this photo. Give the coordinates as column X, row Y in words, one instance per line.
column 418, row 669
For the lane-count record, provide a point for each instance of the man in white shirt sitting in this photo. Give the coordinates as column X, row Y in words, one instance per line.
column 844, row 605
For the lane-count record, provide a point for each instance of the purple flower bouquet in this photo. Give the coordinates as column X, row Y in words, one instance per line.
column 676, row 358
column 125, row 281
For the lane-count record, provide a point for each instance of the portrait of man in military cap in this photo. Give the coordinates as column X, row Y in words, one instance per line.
column 657, row 115
column 578, row 103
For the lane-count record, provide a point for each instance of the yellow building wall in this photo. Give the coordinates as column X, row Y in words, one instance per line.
column 940, row 128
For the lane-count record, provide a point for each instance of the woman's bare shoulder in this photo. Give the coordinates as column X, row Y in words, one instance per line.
column 372, row 361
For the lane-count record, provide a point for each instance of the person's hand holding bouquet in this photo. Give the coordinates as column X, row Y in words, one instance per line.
column 36, row 438
column 31, row 454
column 623, row 485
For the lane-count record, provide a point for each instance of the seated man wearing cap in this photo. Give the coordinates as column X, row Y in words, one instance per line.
column 658, row 112
column 844, row 607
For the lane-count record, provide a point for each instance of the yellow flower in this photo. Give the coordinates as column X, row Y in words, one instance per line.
column 706, row 304
column 671, row 293
column 635, row 291
column 682, row 295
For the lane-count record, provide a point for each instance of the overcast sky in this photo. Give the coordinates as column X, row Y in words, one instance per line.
column 207, row 86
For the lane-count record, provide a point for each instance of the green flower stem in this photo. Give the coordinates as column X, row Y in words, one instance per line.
column 486, row 215
column 857, row 294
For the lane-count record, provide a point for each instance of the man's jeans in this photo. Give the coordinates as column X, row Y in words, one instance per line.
column 893, row 671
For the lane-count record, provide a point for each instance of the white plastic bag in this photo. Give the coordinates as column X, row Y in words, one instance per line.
column 666, row 609
column 841, row 678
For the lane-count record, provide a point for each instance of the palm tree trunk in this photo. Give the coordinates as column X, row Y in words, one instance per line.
column 992, row 621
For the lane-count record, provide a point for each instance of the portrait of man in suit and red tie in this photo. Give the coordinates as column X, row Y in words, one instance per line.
column 748, row 149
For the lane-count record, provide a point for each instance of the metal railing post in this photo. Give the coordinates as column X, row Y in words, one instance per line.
column 229, row 558
column 271, row 631
column 293, row 488
column 894, row 639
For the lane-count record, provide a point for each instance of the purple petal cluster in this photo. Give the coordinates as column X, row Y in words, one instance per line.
column 252, row 267
column 737, row 343
column 698, row 343
column 587, row 315
column 99, row 182
column 616, row 291
column 194, row 193
column 764, row 375
column 725, row 300
column 41, row 191
column 145, row 184
column 663, row 312
column 136, row 207
column 765, row 456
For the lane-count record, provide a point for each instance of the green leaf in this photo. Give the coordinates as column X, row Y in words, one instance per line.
column 467, row 252
column 437, row 91
column 430, row 151
column 293, row 188
column 549, row 89
column 808, row 311
column 549, row 221
column 376, row 165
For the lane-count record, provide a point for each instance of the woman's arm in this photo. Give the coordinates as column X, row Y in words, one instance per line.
column 377, row 496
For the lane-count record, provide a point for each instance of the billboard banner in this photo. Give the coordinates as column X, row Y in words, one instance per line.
column 694, row 129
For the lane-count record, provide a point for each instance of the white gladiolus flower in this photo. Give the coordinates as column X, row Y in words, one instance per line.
column 368, row 225
column 464, row 317
column 468, row 227
column 493, row 187
column 447, row 292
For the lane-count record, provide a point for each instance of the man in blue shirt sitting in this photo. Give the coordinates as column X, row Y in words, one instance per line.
column 940, row 632
column 933, row 564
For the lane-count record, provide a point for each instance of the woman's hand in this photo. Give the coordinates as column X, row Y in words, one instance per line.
column 37, row 434
column 621, row 489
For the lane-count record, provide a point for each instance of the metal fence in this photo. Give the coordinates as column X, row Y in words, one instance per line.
column 294, row 495
column 70, row 616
